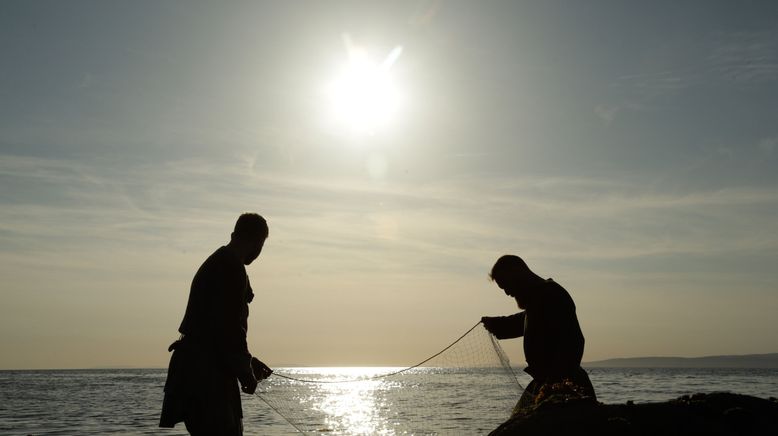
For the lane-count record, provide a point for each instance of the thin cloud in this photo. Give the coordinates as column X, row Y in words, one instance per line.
column 348, row 224
column 747, row 57
column 654, row 82
column 607, row 113
column 768, row 145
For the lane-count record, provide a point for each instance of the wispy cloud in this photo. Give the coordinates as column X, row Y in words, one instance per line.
column 768, row 145
column 654, row 83
column 607, row 112
column 733, row 59
column 356, row 224
column 747, row 57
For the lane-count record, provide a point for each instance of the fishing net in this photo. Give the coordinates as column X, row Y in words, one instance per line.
column 466, row 388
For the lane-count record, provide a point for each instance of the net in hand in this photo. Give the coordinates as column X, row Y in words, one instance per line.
column 466, row 388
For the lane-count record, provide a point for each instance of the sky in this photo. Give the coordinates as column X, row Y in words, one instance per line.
column 628, row 150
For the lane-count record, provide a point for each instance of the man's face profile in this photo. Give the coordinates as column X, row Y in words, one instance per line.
column 256, row 246
column 510, row 285
column 506, row 285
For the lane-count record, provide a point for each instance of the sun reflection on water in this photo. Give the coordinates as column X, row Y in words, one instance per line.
column 467, row 389
column 353, row 407
column 358, row 406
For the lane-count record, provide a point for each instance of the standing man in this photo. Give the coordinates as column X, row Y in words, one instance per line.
column 553, row 341
column 212, row 357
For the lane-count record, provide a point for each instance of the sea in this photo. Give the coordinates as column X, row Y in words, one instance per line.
column 427, row 400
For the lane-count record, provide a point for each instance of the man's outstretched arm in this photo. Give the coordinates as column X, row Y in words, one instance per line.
column 505, row 327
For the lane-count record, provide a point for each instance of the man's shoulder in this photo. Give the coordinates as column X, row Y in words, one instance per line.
column 219, row 254
column 556, row 292
column 224, row 254
column 222, row 260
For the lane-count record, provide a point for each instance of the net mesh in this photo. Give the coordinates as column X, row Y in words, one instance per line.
column 468, row 387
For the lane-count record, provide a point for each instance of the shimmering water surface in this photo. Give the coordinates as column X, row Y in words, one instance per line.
column 127, row 401
column 416, row 401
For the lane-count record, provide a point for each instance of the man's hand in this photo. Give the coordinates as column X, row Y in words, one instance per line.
column 261, row 371
column 490, row 323
column 249, row 385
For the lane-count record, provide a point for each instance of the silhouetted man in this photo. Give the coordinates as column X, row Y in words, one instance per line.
column 212, row 356
column 553, row 341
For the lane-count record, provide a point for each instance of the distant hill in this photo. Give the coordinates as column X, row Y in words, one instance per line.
column 737, row 361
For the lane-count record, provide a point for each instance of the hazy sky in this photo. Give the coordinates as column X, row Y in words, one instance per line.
column 629, row 150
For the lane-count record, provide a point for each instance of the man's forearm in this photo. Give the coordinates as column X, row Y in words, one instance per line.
column 505, row 327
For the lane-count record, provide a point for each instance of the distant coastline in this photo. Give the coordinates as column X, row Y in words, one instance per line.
column 766, row 361
column 769, row 360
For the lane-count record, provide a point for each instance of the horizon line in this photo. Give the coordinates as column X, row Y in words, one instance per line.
column 114, row 367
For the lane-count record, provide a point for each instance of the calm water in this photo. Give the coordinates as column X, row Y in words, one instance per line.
column 92, row 402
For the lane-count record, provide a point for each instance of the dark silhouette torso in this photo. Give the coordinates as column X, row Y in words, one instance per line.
column 202, row 386
column 553, row 341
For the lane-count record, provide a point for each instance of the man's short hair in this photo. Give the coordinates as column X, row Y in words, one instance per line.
column 250, row 226
column 507, row 264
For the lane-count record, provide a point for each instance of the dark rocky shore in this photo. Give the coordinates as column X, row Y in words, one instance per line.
column 699, row 414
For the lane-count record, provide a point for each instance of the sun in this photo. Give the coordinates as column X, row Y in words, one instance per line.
column 363, row 97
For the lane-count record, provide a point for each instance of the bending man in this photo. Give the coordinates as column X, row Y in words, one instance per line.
column 212, row 356
column 553, row 341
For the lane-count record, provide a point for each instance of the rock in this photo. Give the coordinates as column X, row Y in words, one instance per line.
column 700, row 414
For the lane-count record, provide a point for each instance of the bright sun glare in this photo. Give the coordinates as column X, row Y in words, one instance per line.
column 364, row 97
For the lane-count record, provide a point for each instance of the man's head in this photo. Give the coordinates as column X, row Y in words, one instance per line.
column 249, row 236
column 513, row 276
